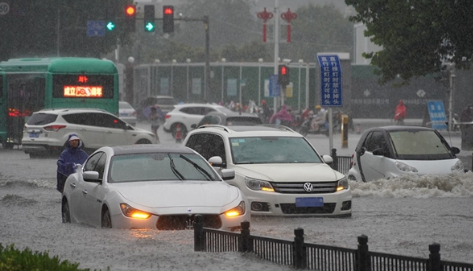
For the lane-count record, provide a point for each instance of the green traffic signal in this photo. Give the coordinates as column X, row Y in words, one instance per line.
column 110, row 26
column 149, row 27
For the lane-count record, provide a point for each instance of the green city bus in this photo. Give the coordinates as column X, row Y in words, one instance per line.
column 31, row 84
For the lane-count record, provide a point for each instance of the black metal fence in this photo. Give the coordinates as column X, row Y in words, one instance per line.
column 301, row 255
column 340, row 163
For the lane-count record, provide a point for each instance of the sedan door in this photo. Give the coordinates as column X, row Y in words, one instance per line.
column 95, row 192
column 373, row 162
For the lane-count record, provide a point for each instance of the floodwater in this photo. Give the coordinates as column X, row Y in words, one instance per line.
column 399, row 216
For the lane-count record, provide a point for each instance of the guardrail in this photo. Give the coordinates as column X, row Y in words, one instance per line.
column 301, row 255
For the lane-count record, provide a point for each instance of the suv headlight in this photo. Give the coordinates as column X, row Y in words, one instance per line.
column 342, row 184
column 405, row 167
column 458, row 166
column 259, row 185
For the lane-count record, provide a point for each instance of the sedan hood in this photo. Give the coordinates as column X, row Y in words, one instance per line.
column 432, row 166
column 178, row 194
column 285, row 172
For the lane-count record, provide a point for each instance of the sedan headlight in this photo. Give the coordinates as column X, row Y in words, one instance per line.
column 237, row 211
column 129, row 211
column 405, row 167
column 342, row 184
column 259, row 185
column 458, row 166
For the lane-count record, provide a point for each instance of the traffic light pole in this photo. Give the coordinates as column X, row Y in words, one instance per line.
column 205, row 20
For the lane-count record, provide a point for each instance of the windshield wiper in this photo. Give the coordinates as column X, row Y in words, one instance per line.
column 199, row 168
column 174, row 170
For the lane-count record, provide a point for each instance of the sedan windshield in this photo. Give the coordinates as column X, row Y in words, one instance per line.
column 160, row 167
column 261, row 150
column 418, row 144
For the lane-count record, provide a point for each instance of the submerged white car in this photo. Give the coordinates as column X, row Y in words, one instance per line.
column 153, row 186
column 392, row 151
column 279, row 171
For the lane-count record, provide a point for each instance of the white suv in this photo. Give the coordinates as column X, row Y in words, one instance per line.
column 279, row 171
column 188, row 114
column 47, row 130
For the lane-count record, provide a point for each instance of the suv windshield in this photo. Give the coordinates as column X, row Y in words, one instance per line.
column 261, row 150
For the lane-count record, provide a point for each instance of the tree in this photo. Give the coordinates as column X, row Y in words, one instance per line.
column 30, row 29
column 418, row 37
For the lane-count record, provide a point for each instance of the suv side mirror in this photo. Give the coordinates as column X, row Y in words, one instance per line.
column 327, row 159
column 216, row 161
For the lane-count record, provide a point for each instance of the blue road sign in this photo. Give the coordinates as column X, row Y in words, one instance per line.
column 330, row 80
column 95, row 28
column 274, row 90
column 437, row 115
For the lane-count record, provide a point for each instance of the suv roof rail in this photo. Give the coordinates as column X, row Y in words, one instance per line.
column 279, row 126
column 225, row 128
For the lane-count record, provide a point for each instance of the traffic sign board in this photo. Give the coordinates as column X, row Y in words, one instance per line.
column 4, row 8
column 95, row 28
column 274, row 86
column 437, row 115
column 330, row 80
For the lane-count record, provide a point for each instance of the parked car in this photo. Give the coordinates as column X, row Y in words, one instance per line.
column 392, row 151
column 229, row 119
column 47, row 130
column 189, row 115
column 127, row 112
column 155, row 186
column 165, row 103
column 279, row 171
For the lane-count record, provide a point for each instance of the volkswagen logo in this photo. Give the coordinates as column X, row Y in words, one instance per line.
column 308, row 187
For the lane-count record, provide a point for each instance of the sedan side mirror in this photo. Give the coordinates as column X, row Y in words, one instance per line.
column 327, row 159
column 91, row 176
column 227, row 174
column 193, row 126
column 455, row 150
column 362, row 151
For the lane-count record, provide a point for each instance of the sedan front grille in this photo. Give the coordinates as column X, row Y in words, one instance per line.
column 182, row 222
column 298, row 188
column 290, row 208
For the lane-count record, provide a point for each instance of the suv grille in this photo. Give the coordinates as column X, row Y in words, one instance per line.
column 290, row 208
column 182, row 222
column 298, row 188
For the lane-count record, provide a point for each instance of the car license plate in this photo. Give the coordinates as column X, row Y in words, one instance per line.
column 310, row 202
column 123, row 114
column 34, row 135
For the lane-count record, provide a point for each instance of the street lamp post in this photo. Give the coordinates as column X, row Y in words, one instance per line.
column 223, row 61
column 260, row 60
column 187, row 85
column 172, row 77
column 299, row 90
column 450, row 101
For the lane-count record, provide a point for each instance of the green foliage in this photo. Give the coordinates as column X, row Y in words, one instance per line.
column 418, row 37
column 12, row 259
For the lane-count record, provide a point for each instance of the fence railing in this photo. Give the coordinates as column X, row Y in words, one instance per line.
column 301, row 255
column 340, row 163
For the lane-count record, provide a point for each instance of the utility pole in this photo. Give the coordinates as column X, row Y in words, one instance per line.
column 276, row 49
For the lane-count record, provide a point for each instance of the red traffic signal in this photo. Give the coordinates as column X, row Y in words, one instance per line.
column 168, row 19
column 283, row 75
column 130, row 10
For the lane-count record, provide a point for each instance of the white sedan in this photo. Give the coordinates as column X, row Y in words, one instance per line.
column 152, row 186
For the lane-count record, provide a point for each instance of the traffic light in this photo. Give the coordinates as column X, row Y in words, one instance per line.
column 283, row 75
column 130, row 14
column 149, row 20
column 110, row 25
column 168, row 19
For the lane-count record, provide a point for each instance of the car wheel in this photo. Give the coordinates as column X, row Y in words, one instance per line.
column 66, row 213
column 183, row 130
column 143, row 141
column 106, row 219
